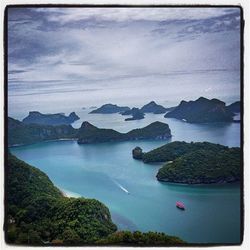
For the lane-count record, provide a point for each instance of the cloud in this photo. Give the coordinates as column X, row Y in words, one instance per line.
column 58, row 50
column 65, row 15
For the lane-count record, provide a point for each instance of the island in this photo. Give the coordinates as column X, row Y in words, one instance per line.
column 234, row 107
column 36, row 117
column 136, row 114
column 137, row 153
column 37, row 213
column 201, row 110
column 154, row 108
column 20, row 133
column 109, row 109
column 194, row 163
column 88, row 133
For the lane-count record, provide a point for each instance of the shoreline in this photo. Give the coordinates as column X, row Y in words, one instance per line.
column 27, row 144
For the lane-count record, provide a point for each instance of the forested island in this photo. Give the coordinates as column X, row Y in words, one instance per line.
column 194, row 163
column 36, row 117
column 88, row 133
column 20, row 133
column 37, row 213
column 202, row 110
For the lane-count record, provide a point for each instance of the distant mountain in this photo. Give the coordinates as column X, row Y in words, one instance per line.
column 109, row 109
column 20, row 133
column 154, row 108
column 90, row 134
column 234, row 107
column 194, row 163
column 136, row 114
column 201, row 110
column 36, row 117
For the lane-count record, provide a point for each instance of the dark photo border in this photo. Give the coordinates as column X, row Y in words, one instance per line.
column 126, row 6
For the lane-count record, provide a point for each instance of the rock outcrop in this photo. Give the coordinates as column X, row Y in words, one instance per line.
column 137, row 153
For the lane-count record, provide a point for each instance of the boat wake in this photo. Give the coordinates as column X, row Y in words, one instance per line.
column 121, row 187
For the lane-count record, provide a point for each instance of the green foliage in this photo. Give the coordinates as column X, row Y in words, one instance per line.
column 126, row 238
column 39, row 213
column 155, row 130
column 203, row 166
column 173, row 150
column 91, row 134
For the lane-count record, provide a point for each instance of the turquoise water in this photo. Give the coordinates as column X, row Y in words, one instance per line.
column 107, row 171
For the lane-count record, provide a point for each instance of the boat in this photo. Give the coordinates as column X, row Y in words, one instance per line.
column 180, row 205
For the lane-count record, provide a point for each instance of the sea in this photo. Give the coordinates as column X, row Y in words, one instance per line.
column 129, row 188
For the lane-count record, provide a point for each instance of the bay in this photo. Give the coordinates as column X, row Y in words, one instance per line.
column 107, row 172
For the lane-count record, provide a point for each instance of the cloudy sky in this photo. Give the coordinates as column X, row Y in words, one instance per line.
column 122, row 55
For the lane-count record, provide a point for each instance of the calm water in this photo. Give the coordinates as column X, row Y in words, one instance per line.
column 105, row 171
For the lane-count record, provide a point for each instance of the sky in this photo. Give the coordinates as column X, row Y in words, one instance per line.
column 73, row 57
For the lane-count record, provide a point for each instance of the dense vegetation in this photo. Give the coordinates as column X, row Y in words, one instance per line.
column 126, row 238
column 91, row 134
column 37, row 213
column 36, row 117
column 193, row 163
column 173, row 150
column 20, row 133
column 88, row 133
column 202, row 110
column 155, row 130
column 203, row 166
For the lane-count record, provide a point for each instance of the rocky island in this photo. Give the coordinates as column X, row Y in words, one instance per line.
column 109, row 109
column 136, row 113
column 195, row 163
column 137, row 153
column 20, row 133
column 201, row 110
column 36, row 117
column 38, row 213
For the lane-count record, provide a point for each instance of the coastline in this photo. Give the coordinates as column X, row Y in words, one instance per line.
column 27, row 144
